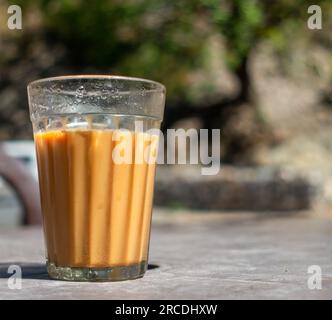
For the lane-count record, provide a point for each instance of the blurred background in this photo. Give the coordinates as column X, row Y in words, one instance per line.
column 251, row 68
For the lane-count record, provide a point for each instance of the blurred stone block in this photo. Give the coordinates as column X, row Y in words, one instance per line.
column 235, row 188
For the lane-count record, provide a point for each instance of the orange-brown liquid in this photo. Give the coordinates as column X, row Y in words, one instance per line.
column 96, row 212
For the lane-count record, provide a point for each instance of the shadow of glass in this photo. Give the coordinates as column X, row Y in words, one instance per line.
column 35, row 271
column 152, row 266
column 29, row 270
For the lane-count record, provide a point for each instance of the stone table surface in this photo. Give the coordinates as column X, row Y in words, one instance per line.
column 199, row 256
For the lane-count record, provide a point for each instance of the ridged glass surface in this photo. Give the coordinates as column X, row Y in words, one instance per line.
column 96, row 212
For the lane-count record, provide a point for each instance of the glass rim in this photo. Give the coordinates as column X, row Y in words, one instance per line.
column 159, row 86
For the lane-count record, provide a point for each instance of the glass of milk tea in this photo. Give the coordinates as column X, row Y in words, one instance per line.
column 96, row 142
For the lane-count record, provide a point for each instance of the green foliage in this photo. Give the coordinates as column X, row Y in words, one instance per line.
column 239, row 22
column 246, row 23
column 154, row 39
column 167, row 39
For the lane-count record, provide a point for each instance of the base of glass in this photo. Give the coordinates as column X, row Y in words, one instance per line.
column 118, row 273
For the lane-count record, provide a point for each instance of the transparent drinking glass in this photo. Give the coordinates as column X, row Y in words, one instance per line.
column 96, row 143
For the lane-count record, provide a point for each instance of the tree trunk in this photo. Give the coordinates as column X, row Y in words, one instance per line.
column 235, row 116
column 214, row 115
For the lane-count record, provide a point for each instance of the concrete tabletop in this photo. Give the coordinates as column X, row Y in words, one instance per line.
column 195, row 256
